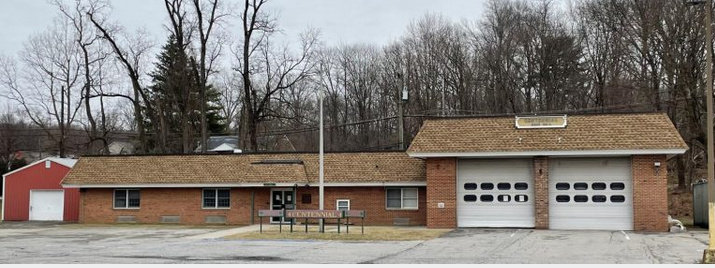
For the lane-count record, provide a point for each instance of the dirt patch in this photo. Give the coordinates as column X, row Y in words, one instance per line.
column 680, row 202
column 372, row 233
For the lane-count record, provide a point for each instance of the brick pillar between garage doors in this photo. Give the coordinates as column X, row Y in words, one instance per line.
column 541, row 192
column 441, row 188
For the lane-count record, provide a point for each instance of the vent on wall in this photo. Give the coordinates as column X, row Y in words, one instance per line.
column 170, row 219
column 216, row 219
column 126, row 219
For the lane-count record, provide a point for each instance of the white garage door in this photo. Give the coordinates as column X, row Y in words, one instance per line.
column 46, row 205
column 590, row 194
column 495, row 193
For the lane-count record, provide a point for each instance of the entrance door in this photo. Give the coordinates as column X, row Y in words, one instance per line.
column 47, row 205
column 280, row 199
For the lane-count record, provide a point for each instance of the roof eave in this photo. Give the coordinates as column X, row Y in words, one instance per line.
column 582, row 153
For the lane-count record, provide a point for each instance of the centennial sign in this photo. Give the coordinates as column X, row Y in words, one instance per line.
column 541, row 121
column 315, row 214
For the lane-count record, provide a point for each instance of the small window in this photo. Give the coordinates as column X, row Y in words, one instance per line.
column 217, row 198
column 521, row 186
column 470, row 198
column 580, row 186
column 521, row 198
column 563, row 198
column 618, row 186
column 470, row 186
column 343, row 204
column 599, row 198
column 126, row 199
column 580, row 198
column 487, row 186
column 504, row 198
column 486, row 198
column 306, row 199
column 598, row 186
column 562, row 186
column 402, row 198
column 618, row 199
column 504, row 186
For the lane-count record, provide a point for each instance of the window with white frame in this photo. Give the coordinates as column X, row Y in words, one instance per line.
column 125, row 198
column 217, row 198
column 401, row 198
column 343, row 204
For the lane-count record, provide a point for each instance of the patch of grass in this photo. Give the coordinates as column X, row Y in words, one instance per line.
column 372, row 233
column 146, row 226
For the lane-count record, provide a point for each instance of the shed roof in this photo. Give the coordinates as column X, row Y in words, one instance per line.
column 299, row 168
column 653, row 132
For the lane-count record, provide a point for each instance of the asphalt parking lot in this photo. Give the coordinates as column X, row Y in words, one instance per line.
column 72, row 243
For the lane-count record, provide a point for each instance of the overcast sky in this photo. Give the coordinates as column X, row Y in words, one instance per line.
column 340, row 21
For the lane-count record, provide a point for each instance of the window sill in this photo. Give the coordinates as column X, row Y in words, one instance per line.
column 216, row 208
column 125, row 208
column 409, row 209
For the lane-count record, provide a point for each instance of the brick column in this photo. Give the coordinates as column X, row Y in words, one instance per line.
column 541, row 192
column 650, row 193
column 441, row 188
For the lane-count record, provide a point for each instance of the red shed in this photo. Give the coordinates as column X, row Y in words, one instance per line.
column 34, row 193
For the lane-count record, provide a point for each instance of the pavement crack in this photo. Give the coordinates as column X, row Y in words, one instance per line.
column 394, row 254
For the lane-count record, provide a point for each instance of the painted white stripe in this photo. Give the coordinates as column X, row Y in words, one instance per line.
column 626, row 235
column 549, row 153
column 204, row 185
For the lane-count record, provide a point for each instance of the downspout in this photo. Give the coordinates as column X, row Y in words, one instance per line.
column 253, row 218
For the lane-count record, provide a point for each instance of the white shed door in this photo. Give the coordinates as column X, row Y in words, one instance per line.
column 46, row 205
column 594, row 193
column 495, row 193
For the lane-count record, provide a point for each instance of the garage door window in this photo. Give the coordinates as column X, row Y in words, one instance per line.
column 521, row 198
column 599, row 198
column 504, row 198
column 470, row 198
column 470, row 186
column 521, row 186
column 402, row 198
column 580, row 199
column 562, row 186
column 618, row 199
column 486, row 198
column 504, row 186
column 563, row 198
column 618, row 186
column 125, row 198
column 580, row 186
column 598, row 186
column 487, row 186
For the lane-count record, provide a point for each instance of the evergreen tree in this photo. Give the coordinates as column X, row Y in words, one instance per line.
column 174, row 92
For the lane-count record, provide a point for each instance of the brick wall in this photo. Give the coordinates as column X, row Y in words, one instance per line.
column 96, row 205
column 650, row 193
column 441, row 188
column 541, row 191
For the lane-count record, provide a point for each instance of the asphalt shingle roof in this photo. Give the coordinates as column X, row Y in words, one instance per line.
column 583, row 132
column 246, row 168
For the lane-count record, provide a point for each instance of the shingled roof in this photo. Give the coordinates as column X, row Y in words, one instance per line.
column 368, row 167
column 593, row 133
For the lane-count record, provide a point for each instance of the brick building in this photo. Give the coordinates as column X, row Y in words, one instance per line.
column 577, row 172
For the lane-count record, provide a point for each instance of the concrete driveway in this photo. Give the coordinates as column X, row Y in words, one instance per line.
column 71, row 243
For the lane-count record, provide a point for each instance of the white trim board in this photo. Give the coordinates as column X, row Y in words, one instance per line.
column 234, row 185
column 66, row 162
column 550, row 153
column 2, row 215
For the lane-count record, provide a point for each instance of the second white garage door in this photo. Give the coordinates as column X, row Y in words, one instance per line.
column 590, row 193
column 495, row 193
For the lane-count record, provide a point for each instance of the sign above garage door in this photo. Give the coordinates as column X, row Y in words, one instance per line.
column 541, row 121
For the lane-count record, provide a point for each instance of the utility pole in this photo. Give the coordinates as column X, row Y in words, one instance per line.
column 320, row 186
column 709, row 253
column 400, row 113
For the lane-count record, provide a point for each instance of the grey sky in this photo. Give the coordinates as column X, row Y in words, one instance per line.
column 340, row 21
